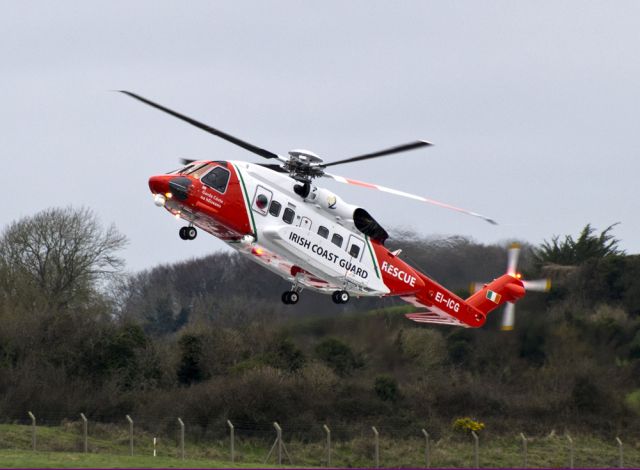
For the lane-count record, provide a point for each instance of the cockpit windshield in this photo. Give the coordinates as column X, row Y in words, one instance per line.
column 199, row 170
column 181, row 171
column 193, row 170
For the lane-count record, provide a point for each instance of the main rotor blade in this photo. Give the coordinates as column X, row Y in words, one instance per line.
column 211, row 130
column 382, row 153
column 342, row 179
column 274, row 167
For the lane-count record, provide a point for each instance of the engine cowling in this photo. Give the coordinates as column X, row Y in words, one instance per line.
column 359, row 217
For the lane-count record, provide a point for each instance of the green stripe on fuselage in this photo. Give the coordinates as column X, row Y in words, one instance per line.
column 246, row 202
column 373, row 257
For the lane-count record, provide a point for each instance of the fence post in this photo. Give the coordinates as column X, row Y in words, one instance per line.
column 181, row 437
column 85, row 433
column 232, row 436
column 620, row 454
column 33, row 430
column 476, row 463
column 570, row 451
column 130, row 434
column 328, row 431
column 377, row 444
column 427, row 462
column 524, row 449
column 280, row 444
column 279, row 438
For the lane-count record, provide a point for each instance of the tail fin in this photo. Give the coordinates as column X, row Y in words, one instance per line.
column 506, row 288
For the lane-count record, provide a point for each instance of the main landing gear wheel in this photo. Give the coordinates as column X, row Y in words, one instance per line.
column 188, row 233
column 340, row 297
column 290, row 297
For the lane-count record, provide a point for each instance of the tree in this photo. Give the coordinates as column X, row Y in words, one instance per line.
column 190, row 369
column 58, row 256
column 338, row 356
column 574, row 252
column 286, row 356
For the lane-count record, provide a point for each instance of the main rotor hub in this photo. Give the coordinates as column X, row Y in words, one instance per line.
column 304, row 165
column 306, row 156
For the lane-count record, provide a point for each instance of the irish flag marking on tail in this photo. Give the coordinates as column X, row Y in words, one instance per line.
column 493, row 297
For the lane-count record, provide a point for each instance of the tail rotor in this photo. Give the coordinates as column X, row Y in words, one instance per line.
column 537, row 285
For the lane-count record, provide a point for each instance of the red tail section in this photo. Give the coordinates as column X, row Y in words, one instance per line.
column 504, row 289
column 445, row 307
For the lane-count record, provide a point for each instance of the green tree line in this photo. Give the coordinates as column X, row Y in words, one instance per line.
column 208, row 339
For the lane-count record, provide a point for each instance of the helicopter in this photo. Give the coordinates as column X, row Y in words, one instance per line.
column 276, row 215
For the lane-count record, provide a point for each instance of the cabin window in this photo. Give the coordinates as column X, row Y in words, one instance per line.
column 323, row 232
column 274, row 208
column 218, row 179
column 261, row 200
column 356, row 247
column 288, row 215
column 336, row 239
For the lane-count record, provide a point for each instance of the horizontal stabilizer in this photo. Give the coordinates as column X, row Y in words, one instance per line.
column 434, row 317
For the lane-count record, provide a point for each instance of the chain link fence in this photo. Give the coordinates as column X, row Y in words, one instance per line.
column 319, row 444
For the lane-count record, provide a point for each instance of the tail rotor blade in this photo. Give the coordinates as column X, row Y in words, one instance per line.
column 538, row 285
column 475, row 287
column 512, row 263
column 508, row 317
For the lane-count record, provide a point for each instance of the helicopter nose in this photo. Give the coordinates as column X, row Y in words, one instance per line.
column 159, row 184
column 179, row 187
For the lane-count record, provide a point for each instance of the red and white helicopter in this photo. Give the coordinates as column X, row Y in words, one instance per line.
column 277, row 216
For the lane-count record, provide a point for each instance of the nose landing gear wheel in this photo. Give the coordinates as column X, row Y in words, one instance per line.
column 290, row 297
column 188, row 233
column 340, row 297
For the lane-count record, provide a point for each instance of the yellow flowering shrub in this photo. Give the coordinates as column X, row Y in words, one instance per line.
column 467, row 425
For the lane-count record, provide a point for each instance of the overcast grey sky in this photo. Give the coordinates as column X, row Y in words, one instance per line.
column 533, row 107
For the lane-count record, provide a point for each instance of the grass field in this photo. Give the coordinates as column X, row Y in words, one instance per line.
column 30, row 459
column 61, row 446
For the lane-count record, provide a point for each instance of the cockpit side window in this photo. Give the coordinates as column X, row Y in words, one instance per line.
column 218, row 178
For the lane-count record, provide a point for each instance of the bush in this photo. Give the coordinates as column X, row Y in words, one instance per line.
column 632, row 400
column 467, row 425
column 386, row 388
column 338, row 356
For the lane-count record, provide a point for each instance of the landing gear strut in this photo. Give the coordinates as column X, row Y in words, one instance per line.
column 290, row 297
column 340, row 297
column 188, row 233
